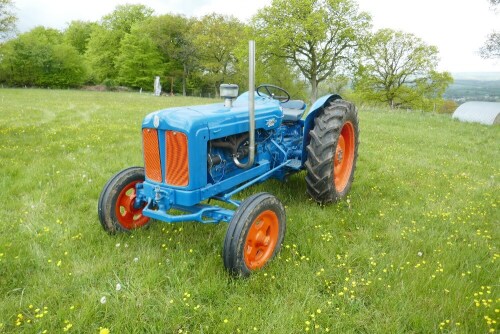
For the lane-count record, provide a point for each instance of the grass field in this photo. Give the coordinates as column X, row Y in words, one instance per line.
column 414, row 249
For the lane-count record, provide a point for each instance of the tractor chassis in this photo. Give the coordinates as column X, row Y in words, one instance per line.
column 202, row 213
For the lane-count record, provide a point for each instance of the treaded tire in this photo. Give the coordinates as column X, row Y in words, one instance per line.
column 115, row 205
column 332, row 152
column 254, row 235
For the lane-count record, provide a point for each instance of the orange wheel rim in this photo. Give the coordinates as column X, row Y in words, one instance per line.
column 127, row 214
column 344, row 157
column 261, row 240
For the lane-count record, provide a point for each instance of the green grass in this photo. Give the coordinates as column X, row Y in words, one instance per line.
column 414, row 249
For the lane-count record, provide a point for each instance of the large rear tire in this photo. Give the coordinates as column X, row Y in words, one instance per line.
column 254, row 235
column 116, row 207
column 332, row 152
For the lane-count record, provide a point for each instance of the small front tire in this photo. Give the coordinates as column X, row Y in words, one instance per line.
column 116, row 207
column 254, row 235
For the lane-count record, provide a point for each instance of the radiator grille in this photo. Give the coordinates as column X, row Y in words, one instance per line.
column 152, row 163
column 177, row 159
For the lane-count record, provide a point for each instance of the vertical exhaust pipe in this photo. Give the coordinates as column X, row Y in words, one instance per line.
column 251, row 108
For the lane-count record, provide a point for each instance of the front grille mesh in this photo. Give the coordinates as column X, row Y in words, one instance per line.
column 177, row 159
column 152, row 162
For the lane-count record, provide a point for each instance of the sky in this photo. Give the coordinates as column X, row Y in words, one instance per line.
column 457, row 27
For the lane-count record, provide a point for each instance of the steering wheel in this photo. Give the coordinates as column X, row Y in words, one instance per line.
column 272, row 90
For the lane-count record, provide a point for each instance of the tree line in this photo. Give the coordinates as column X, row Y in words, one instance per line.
column 309, row 47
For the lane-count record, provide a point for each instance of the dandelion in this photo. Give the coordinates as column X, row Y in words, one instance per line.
column 118, row 286
column 68, row 326
column 103, row 330
column 226, row 321
column 103, row 300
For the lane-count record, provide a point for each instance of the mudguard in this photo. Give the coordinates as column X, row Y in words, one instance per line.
column 309, row 121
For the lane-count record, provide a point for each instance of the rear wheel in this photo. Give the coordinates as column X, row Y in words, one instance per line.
column 254, row 235
column 117, row 207
column 332, row 152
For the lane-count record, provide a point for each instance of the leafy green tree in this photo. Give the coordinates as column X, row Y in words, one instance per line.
column 125, row 16
column 78, row 34
column 64, row 68
column 139, row 61
column 102, row 50
column 41, row 58
column 171, row 34
column 216, row 38
column 273, row 70
column 7, row 18
column 399, row 69
column 338, row 84
column 319, row 37
column 103, row 45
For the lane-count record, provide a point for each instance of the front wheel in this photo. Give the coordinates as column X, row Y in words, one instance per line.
column 117, row 207
column 332, row 152
column 254, row 235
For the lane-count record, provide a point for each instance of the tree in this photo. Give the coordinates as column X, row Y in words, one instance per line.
column 125, row 16
column 399, row 69
column 139, row 61
column 41, row 58
column 217, row 38
column 7, row 18
column 102, row 49
column 104, row 42
column 171, row 35
column 491, row 48
column 78, row 34
column 318, row 36
column 270, row 69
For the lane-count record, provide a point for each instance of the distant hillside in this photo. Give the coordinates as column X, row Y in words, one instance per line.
column 474, row 87
column 481, row 76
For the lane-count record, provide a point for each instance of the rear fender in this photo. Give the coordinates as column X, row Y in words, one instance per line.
column 309, row 121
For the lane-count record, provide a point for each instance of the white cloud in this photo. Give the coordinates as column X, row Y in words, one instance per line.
column 457, row 27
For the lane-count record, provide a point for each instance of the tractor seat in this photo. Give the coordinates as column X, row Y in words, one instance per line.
column 293, row 110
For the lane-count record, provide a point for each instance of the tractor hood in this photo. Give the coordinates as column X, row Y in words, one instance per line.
column 219, row 120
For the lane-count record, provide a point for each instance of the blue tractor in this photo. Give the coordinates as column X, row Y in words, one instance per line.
column 200, row 155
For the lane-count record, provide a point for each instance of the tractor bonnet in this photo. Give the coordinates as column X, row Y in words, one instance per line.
column 220, row 120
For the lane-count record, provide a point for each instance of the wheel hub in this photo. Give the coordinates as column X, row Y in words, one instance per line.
column 340, row 155
column 344, row 157
column 261, row 240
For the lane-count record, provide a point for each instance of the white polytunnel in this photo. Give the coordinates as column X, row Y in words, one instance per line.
column 480, row 112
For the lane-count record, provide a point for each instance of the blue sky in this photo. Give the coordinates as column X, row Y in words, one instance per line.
column 457, row 27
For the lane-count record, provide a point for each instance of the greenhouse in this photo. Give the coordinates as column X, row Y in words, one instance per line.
column 480, row 112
